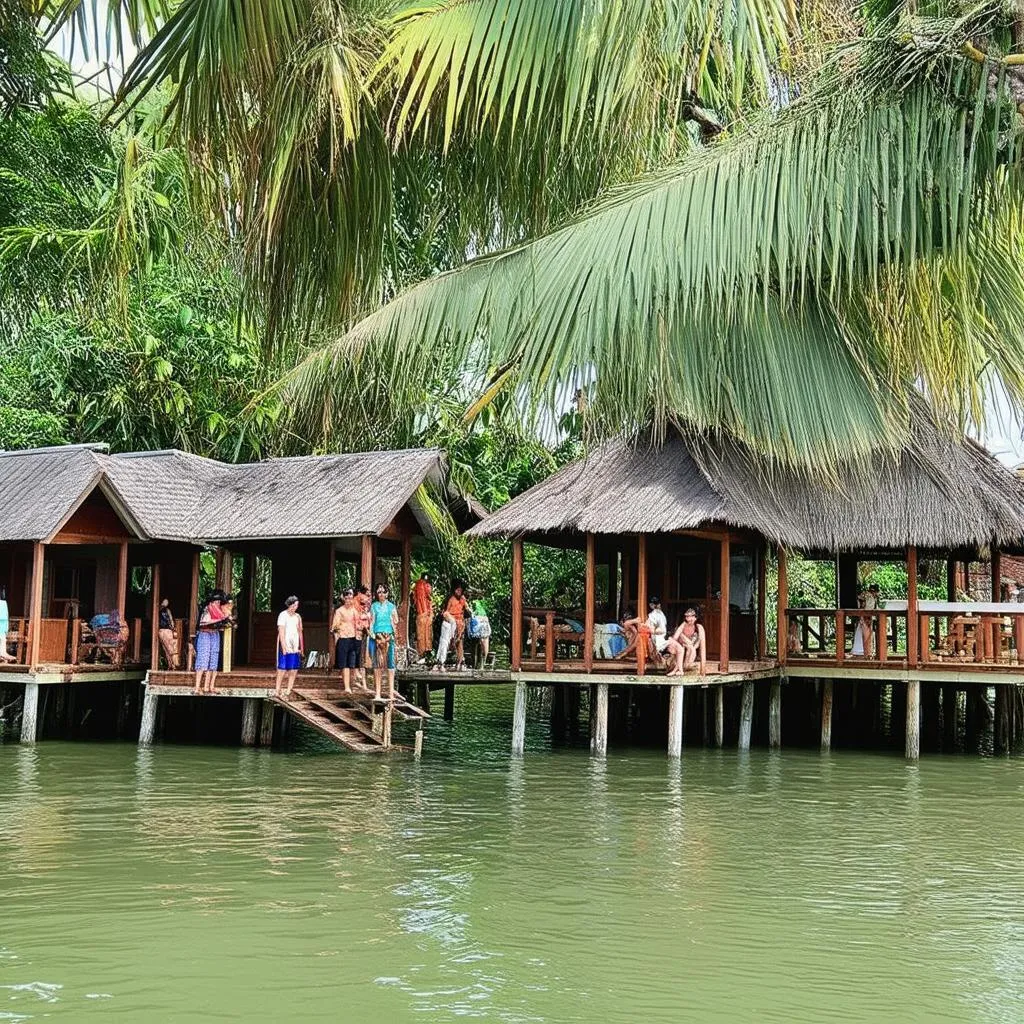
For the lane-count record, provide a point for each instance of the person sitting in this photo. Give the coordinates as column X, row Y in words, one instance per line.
column 688, row 644
column 653, row 631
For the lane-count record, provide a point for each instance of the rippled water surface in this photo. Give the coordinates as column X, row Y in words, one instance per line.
column 202, row 884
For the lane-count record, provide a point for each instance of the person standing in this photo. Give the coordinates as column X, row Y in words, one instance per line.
column 290, row 645
column 383, row 622
column 362, row 604
column 212, row 623
column 168, row 637
column 5, row 625
column 453, row 625
column 422, row 596
column 346, row 643
column 479, row 629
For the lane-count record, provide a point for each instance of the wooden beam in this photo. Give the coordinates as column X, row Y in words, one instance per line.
column 641, row 598
column 950, row 579
column 366, row 561
column 549, row 642
column 588, row 606
column 997, row 574
column 723, row 617
column 122, row 578
column 517, row 605
column 762, row 607
column 781, row 625
column 250, row 605
column 841, row 635
column 193, row 597
column 406, row 586
column 912, row 612
column 154, row 621
column 35, row 603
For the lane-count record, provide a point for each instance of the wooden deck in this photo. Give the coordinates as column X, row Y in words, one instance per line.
column 50, row 674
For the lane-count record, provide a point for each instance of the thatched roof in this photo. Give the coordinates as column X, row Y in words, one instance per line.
column 941, row 492
column 172, row 495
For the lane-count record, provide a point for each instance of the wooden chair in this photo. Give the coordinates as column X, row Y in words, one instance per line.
column 961, row 640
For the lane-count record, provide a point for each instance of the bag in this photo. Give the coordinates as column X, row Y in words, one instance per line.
column 479, row 627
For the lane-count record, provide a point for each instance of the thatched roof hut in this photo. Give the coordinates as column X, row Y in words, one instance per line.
column 941, row 492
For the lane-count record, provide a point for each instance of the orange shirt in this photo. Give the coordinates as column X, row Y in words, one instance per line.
column 421, row 593
column 456, row 607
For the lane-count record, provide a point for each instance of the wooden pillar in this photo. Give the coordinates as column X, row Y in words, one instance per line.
column 193, row 595
column 516, row 659
column 154, row 612
column 599, row 731
column 781, row 625
column 912, row 612
column 122, row 578
column 950, row 579
column 558, row 703
column 35, row 605
column 366, row 562
column 641, row 599
column 250, row 720
column 332, row 555
column 406, row 585
column 826, row 715
column 1001, row 727
column 913, row 745
column 147, row 729
column 519, row 720
column 588, row 606
column 762, row 613
column 449, row 701
column 267, row 724
column 746, row 715
column 719, row 716
column 723, row 618
column 30, row 713
column 997, row 577
column 676, row 694
column 613, row 587
column 775, row 715
column 250, row 606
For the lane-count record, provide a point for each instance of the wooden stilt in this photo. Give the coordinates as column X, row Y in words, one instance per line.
column 1001, row 732
column 746, row 715
column 519, row 720
column 417, row 748
column 719, row 716
column 913, row 744
column 599, row 735
column 147, row 729
column 826, row 715
column 557, row 713
column 449, row 701
column 574, row 712
column 250, row 720
column 775, row 715
column 949, row 718
column 675, row 720
column 267, row 724
column 705, row 724
column 29, row 713
column 516, row 654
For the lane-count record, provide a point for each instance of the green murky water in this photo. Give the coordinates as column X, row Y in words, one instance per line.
column 200, row 884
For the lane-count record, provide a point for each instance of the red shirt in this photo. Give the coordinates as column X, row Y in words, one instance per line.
column 421, row 594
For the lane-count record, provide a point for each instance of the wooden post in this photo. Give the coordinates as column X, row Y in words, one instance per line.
column 840, row 635
column 949, row 718
column 250, row 608
column 549, row 642
column 950, row 579
column 588, row 606
column 912, row 612
column 746, row 715
column 406, row 585
column 516, row 640
column 449, row 701
column 366, row 561
column 154, row 622
column 329, row 596
column 719, row 716
column 775, row 715
column 519, row 720
column 417, row 744
column 997, row 575
column 883, row 636
column 1001, row 726
column 76, row 636
column 641, row 605
column 35, row 607
column 267, row 724
column 147, row 729
column 676, row 694
column 30, row 713
column 913, row 747
column 826, row 715
column 193, row 595
column 250, row 720
column 723, row 619
column 122, row 578
column 762, row 613
column 781, row 625
column 599, row 732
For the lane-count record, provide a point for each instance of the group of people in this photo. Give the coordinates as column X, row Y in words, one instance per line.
column 459, row 619
column 686, row 646
column 359, row 627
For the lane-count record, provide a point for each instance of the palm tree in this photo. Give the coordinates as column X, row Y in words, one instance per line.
column 695, row 210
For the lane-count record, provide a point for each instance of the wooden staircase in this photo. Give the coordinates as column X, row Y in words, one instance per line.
column 355, row 721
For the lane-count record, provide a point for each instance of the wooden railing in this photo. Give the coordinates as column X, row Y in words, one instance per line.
column 835, row 635
column 992, row 636
column 60, row 641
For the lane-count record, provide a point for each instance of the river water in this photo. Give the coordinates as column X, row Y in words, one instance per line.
column 214, row 884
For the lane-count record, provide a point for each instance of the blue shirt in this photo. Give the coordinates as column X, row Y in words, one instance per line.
column 380, row 617
column 5, row 622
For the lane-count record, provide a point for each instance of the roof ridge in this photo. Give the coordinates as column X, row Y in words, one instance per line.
column 87, row 446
